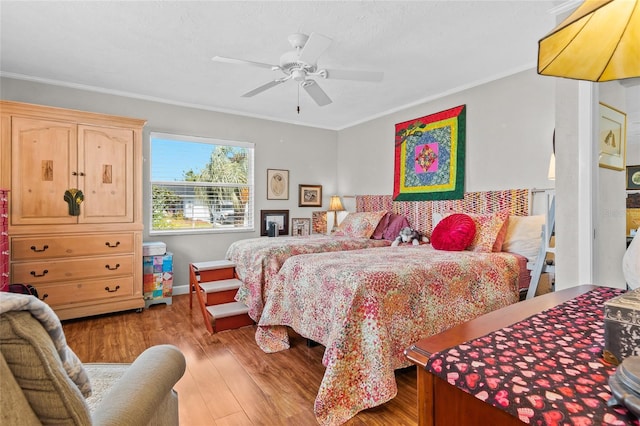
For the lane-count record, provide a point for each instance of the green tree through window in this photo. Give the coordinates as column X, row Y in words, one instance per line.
column 200, row 184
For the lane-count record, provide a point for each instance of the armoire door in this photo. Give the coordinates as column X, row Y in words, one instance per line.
column 44, row 154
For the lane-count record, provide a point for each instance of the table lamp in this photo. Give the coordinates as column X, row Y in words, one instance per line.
column 335, row 206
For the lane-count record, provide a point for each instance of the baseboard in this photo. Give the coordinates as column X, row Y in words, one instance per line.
column 180, row 289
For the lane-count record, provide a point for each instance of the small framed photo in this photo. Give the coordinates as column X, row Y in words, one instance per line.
column 309, row 195
column 633, row 177
column 277, row 184
column 281, row 217
column 612, row 138
column 300, row 227
column 319, row 222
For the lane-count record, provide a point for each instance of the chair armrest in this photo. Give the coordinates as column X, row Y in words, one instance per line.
column 140, row 391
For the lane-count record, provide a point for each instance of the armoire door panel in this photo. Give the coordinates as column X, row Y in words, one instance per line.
column 106, row 159
column 44, row 156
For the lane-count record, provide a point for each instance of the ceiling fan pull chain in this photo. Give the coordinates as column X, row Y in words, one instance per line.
column 298, row 99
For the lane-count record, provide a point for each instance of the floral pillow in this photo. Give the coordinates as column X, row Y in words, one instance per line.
column 488, row 227
column 360, row 224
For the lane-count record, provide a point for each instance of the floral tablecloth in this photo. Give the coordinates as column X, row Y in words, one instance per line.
column 367, row 306
column 258, row 259
column 545, row 370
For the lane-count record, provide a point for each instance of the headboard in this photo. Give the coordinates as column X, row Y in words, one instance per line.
column 419, row 213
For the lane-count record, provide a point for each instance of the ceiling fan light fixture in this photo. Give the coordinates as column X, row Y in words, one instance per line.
column 300, row 64
column 298, row 74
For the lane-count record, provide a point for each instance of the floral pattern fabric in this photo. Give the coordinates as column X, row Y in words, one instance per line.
column 259, row 259
column 367, row 306
column 545, row 370
column 360, row 224
column 488, row 227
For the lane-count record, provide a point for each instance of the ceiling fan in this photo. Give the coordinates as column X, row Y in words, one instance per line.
column 300, row 65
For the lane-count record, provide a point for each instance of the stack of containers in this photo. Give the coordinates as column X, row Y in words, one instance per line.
column 4, row 240
column 157, row 273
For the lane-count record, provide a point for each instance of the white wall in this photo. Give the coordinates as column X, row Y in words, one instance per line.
column 611, row 205
column 509, row 135
column 308, row 153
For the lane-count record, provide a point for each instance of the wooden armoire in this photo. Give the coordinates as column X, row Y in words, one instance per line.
column 75, row 206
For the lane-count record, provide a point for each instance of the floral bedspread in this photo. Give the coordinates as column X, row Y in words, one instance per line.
column 367, row 306
column 259, row 259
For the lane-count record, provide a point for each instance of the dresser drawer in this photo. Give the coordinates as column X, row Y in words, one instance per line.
column 82, row 291
column 52, row 246
column 72, row 269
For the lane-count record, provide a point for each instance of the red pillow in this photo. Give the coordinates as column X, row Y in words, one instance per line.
column 453, row 233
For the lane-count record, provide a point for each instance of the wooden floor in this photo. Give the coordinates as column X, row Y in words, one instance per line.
column 229, row 380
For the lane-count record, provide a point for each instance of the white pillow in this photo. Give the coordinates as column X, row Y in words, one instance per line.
column 436, row 217
column 524, row 236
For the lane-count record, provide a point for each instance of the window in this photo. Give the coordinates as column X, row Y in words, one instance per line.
column 200, row 185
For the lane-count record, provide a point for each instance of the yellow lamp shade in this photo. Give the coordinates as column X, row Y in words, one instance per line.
column 335, row 205
column 599, row 41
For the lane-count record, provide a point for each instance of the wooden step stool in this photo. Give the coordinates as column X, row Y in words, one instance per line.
column 215, row 284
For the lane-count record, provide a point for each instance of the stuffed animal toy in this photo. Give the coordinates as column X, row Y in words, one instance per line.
column 408, row 235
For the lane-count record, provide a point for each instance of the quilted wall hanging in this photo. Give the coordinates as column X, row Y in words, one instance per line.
column 429, row 157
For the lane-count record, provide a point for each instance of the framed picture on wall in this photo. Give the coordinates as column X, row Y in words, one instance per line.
column 319, row 222
column 309, row 195
column 633, row 177
column 612, row 138
column 281, row 217
column 300, row 227
column 277, row 184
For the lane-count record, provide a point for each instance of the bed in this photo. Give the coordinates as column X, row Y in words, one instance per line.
column 259, row 259
column 367, row 306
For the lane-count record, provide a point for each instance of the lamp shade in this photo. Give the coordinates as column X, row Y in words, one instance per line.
column 335, row 205
column 599, row 41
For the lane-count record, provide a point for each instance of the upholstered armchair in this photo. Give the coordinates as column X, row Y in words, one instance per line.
column 40, row 384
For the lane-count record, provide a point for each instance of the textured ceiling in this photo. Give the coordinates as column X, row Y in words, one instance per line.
column 162, row 50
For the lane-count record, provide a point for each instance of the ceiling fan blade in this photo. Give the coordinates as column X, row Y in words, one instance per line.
column 243, row 62
column 316, row 93
column 314, row 47
column 355, row 75
column 262, row 88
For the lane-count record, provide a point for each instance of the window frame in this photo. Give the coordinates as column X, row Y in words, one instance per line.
column 249, row 146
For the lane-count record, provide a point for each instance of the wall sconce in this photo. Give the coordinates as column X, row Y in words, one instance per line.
column 597, row 42
column 335, row 206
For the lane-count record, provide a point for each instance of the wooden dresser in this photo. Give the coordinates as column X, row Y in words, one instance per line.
column 75, row 206
column 440, row 403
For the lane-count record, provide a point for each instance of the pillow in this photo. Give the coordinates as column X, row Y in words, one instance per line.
column 359, row 225
column 396, row 223
column 453, row 233
column 488, row 227
column 524, row 236
column 497, row 245
column 378, row 233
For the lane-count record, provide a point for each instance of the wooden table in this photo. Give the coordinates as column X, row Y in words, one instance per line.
column 440, row 403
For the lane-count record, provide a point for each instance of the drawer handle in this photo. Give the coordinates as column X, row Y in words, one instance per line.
column 112, row 269
column 44, row 247
column 108, row 244
column 45, row 272
column 114, row 290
